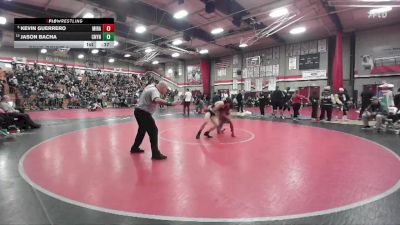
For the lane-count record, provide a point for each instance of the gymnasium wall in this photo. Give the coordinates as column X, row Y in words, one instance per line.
column 279, row 55
column 368, row 42
column 174, row 71
column 382, row 48
column 346, row 62
column 58, row 58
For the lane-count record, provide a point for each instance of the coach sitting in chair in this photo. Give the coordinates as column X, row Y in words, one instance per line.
column 374, row 111
column 11, row 111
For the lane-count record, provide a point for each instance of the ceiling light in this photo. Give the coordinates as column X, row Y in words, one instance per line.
column 298, row 30
column 155, row 62
column 203, row 51
column 140, row 29
column 148, row 50
column 217, row 30
column 177, row 42
column 81, row 56
column 3, row 20
column 116, row 43
column 170, row 70
column 95, row 51
column 380, row 10
column 88, row 15
column 279, row 12
column 175, row 55
column 43, row 50
column 127, row 55
column 243, row 45
column 181, row 14
column 111, row 60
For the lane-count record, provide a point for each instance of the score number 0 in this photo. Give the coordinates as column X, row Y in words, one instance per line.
column 108, row 27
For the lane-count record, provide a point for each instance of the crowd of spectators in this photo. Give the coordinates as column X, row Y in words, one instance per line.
column 40, row 87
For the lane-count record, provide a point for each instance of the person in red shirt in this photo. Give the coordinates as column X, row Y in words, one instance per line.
column 297, row 100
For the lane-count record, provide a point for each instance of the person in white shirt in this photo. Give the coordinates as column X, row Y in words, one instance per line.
column 186, row 101
column 224, row 96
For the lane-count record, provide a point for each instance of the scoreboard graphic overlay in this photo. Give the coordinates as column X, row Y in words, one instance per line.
column 64, row 33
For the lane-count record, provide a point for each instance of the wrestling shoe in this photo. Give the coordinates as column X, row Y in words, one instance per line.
column 159, row 157
column 207, row 134
column 198, row 135
column 138, row 150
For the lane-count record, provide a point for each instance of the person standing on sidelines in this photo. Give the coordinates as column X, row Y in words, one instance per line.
column 239, row 99
column 287, row 100
column 148, row 101
column 314, row 99
column 366, row 97
column 277, row 102
column 186, row 101
column 342, row 99
column 262, row 101
column 297, row 100
column 396, row 99
column 327, row 102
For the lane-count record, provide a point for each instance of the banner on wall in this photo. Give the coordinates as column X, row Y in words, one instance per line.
column 250, row 72
column 257, row 71
column 304, row 49
column 221, row 72
column 272, row 84
column 313, row 47
column 268, row 54
column 169, row 73
column 247, row 85
column 223, row 62
column 263, row 70
column 314, row 74
column 382, row 59
column 276, row 52
column 180, row 73
column 236, row 60
column 322, row 47
column 269, row 70
column 275, row 70
column 259, row 84
column 292, row 63
column 296, row 50
column 19, row 60
column 194, row 74
column 235, row 85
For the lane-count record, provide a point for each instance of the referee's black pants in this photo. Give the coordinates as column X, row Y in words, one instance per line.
column 240, row 106
column 146, row 124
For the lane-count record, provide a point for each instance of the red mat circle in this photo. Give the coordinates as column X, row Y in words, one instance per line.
column 286, row 171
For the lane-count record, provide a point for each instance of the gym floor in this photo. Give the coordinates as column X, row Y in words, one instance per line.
column 77, row 169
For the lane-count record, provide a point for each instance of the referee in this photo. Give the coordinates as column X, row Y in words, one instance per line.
column 147, row 105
